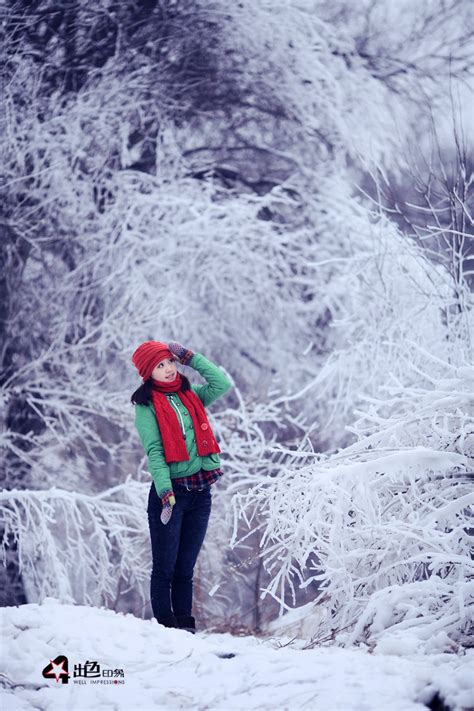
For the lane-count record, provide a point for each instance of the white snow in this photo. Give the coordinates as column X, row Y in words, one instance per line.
column 172, row 669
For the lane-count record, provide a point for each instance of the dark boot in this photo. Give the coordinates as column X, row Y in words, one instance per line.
column 186, row 623
column 168, row 621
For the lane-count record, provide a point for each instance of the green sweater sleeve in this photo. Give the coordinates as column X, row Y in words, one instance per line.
column 217, row 381
column 147, row 426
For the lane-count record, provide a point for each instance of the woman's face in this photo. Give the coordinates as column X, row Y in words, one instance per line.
column 165, row 371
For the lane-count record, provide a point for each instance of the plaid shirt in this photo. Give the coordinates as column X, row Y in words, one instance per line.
column 199, row 480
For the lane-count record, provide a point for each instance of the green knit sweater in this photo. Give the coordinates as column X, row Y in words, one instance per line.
column 146, row 423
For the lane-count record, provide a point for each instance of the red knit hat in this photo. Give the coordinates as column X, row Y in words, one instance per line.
column 148, row 355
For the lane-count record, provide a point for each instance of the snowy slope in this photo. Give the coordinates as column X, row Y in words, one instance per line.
column 172, row 669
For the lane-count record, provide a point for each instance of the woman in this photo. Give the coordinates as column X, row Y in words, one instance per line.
column 183, row 458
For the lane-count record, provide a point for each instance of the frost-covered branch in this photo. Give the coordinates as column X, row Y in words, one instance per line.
column 77, row 547
column 383, row 528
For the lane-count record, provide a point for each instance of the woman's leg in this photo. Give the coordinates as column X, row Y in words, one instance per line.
column 196, row 514
column 164, row 546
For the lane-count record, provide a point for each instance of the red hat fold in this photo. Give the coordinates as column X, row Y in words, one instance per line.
column 148, row 355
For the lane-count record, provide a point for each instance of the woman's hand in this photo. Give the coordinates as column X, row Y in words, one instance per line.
column 166, row 514
column 168, row 501
column 182, row 353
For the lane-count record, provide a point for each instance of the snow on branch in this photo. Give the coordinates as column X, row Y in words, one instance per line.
column 384, row 527
column 76, row 547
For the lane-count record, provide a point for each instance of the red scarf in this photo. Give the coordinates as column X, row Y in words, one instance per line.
column 171, row 433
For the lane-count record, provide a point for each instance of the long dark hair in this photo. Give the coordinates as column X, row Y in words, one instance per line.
column 142, row 396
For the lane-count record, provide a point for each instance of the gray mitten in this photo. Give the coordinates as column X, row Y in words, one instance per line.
column 166, row 514
column 168, row 501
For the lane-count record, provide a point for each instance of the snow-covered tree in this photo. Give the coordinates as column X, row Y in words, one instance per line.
column 189, row 171
column 384, row 526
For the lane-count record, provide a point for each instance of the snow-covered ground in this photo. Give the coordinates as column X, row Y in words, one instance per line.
column 172, row 669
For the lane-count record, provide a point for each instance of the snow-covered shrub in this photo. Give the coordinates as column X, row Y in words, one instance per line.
column 76, row 547
column 385, row 526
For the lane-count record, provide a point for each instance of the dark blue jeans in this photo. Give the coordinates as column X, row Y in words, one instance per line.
column 175, row 548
